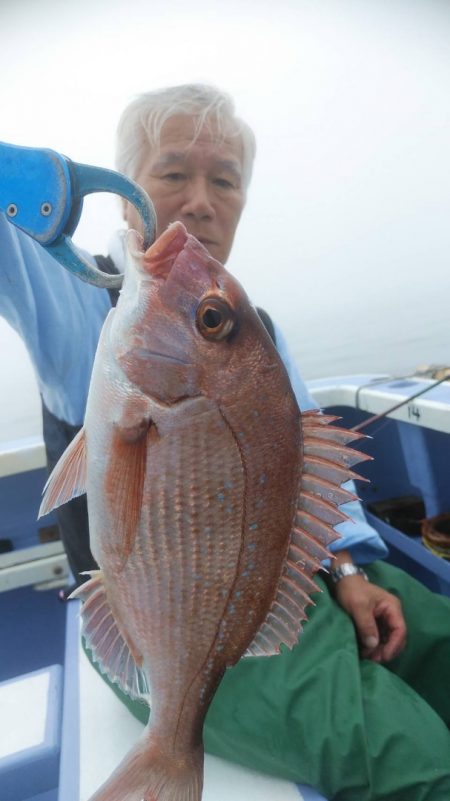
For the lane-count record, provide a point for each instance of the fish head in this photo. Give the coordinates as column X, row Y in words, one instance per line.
column 185, row 326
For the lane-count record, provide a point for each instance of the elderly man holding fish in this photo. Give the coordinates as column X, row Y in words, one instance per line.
column 352, row 708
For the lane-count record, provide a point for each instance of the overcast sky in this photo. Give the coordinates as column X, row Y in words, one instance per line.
column 346, row 234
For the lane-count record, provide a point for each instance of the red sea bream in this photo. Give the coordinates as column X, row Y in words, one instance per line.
column 211, row 499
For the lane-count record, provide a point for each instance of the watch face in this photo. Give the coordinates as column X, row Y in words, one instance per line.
column 346, row 569
column 349, row 570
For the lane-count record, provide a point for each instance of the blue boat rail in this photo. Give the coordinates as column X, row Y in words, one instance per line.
column 31, row 554
column 39, row 666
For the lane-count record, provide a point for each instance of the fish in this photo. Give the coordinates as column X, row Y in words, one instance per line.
column 212, row 502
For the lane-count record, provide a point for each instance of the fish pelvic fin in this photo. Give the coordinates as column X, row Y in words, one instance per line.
column 114, row 656
column 68, row 478
column 151, row 773
column 326, row 465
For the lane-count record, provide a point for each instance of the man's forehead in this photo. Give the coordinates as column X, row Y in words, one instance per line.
column 180, row 139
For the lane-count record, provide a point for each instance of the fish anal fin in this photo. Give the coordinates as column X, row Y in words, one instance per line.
column 326, row 463
column 68, row 478
column 119, row 661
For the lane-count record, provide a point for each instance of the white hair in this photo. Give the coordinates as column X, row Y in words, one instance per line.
column 142, row 121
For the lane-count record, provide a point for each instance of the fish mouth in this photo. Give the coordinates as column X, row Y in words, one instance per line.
column 159, row 258
column 146, row 354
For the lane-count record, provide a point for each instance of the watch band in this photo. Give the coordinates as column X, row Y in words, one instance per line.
column 346, row 569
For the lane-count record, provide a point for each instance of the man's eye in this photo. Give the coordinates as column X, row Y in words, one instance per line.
column 174, row 176
column 223, row 183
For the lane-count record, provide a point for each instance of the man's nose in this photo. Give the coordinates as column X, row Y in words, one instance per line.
column 197, row 201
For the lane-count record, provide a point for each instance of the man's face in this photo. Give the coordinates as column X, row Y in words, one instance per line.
column 198, row 184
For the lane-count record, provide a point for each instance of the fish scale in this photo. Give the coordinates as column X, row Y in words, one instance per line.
column 154, row 603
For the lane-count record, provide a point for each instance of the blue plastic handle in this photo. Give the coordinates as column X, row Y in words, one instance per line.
column 41, row 192
column 35, row 190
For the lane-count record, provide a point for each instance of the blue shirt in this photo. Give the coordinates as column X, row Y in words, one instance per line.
column 60, row 318
column 357, row 535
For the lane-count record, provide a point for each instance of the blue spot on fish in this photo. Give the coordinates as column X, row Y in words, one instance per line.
column 253, row 526
column 220, row 497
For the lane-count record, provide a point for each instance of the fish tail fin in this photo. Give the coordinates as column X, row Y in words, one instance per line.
column 149, row 773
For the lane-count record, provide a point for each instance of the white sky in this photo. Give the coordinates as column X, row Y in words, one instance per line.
column 346, row 234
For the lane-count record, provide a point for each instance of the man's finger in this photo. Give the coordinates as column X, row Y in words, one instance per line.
column 392, row 627
column 367, row 630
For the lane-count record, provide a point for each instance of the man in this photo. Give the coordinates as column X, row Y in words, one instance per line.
column 327, row 713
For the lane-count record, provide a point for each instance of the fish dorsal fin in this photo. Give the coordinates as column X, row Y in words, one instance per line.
column 103, row 637
column 68, row 478
column 326, row 463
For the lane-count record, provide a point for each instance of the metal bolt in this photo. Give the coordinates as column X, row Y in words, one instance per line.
column 12, row 210
column 46, row 209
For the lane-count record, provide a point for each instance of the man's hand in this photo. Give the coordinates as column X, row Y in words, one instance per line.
column 377, row 616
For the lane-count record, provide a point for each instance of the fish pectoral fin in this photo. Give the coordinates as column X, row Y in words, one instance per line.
column 68, row 477
column 124, row 483
column 326, row 465
column 103, row 637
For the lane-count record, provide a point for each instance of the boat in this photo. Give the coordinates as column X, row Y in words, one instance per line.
column 63, row 731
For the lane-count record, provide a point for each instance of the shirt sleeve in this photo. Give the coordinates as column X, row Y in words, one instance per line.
column 58, row 317
column 356, row 534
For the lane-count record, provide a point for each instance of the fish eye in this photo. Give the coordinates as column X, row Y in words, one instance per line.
column 215, row 318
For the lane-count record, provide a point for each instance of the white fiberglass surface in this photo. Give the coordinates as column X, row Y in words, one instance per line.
column 23, row 699
column 108, row 731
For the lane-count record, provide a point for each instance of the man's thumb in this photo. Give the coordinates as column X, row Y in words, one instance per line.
column 367, row 630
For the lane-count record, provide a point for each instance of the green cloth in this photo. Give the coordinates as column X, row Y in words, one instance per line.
column 351, row 728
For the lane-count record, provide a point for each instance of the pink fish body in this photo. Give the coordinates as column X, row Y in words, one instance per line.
column 211, row 500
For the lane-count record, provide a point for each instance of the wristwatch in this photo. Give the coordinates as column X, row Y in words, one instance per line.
column 347, row 569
